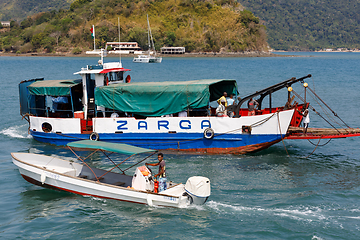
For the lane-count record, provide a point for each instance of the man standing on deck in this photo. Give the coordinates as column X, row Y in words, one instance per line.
column 162, row 172
column 230, row 101
column 306, row 120
column 223, row 98
column 221, row 109
column 252, row 104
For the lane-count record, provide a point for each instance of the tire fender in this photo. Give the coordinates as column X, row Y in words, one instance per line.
column 209, row 133
column 94, row 136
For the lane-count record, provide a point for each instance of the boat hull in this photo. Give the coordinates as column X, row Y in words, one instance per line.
column 224, row 144
column 40, row 173
column 229, row 135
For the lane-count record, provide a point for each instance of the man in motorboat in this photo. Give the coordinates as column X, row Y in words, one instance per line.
column 162, row 171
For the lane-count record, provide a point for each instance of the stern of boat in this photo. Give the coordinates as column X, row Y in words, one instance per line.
column 197, row 190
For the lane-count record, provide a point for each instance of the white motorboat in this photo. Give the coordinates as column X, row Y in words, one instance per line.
column 150, row 57
column 80, row 178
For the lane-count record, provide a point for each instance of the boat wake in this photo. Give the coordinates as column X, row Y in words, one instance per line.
column 224, row 208
column 16, row 132
column 298, row 213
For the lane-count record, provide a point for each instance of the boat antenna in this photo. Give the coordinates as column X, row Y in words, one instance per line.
column 119, row 40
column 147, row 18
column 152, row 41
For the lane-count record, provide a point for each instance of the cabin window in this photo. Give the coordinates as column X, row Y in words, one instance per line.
column 113, row 77
column 46, row 127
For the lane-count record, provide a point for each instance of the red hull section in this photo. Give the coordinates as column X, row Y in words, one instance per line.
column 235, row 150
column 312, row 136
column 323, row 133
column 295, row 121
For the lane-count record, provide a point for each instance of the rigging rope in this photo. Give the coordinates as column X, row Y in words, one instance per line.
column 282, row 139
column 312, row 108
column 328, row 115
column 327, row 106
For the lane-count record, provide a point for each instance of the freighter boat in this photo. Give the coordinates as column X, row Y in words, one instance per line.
column 174, row 115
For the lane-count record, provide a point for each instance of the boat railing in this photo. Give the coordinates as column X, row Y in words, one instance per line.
column 47, row 112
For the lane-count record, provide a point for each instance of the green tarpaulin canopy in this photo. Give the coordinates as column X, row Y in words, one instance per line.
column 110, row 147
column 53, row 87
column 162, row 98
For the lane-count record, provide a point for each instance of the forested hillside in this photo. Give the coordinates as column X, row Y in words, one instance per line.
column 308, row 24
column 20, row 9
column 218, row 25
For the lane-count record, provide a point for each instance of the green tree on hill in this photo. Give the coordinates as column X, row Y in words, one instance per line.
column 309, row 25
column 197, row 25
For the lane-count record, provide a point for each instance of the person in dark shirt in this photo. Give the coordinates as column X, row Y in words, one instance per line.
column 162, row 171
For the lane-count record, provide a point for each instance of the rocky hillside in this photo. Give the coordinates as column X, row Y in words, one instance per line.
column 19, row 9
column 198, row 25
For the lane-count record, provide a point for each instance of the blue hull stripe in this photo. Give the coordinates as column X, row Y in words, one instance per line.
column 163, row 140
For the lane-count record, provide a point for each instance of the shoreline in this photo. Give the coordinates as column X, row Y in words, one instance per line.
column 200, row 54
column 197, row 54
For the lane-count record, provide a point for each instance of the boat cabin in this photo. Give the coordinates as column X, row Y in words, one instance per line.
column 104, row 93
column 64, row 98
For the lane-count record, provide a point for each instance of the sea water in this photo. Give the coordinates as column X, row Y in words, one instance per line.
column 296, row 189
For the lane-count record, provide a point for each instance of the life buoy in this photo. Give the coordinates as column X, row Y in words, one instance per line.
column 209, row 133
column 94, row 136
column 128, row 79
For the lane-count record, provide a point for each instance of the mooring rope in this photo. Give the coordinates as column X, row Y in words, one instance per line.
column 70, row 136
column 318, row 143
column 315, row 148
column 282, row 139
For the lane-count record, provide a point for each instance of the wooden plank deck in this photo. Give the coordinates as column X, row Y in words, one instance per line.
column 324, row 133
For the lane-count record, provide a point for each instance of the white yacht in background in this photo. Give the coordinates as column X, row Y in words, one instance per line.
column 150, row 57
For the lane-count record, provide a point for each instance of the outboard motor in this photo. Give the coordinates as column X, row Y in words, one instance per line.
column 142, row 179
column 198, row 189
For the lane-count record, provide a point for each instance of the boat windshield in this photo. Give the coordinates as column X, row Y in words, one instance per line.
column 110, row 147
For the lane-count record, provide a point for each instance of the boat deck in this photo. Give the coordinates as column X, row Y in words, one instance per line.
column 324, row 133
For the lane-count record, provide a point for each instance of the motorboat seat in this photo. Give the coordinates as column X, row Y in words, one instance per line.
column 94, row 179
column 119, row 184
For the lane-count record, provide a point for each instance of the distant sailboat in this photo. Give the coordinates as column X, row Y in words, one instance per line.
column 150, row 57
